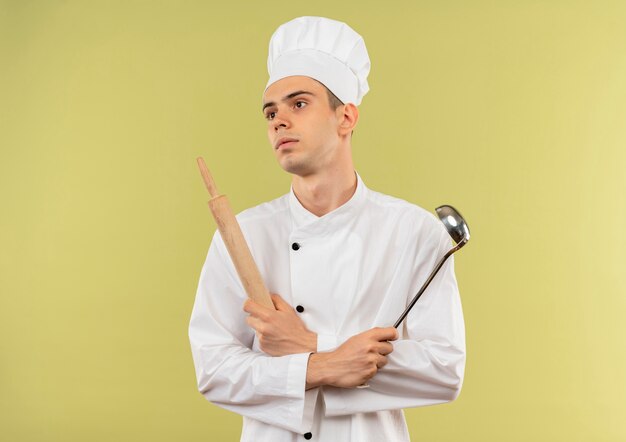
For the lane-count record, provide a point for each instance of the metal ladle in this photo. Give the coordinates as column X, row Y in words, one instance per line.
column 459, row 231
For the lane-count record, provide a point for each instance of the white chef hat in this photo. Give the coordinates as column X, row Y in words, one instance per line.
column 326, row 50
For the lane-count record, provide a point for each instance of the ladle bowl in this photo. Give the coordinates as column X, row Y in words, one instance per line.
column 455, row 224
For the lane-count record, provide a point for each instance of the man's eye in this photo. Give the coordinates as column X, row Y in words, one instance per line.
column 270, row 115
column 300, row 104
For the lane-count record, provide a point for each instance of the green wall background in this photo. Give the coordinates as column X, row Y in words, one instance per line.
column 513, row 111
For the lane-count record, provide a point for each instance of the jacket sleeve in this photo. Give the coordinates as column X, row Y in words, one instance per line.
column 427, row 364
column 232, row 373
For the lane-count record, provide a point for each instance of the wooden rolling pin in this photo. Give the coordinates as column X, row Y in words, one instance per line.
column 235, row 242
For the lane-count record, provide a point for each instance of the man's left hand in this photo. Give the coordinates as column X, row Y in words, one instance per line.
column 280, row 332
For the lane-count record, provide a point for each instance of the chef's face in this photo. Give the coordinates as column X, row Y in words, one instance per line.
column 303, row 129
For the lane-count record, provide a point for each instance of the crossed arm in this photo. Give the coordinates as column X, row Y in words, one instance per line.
column 277, row 385
column 281, row 332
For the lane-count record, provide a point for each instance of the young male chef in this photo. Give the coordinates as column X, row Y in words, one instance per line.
column 343, row 261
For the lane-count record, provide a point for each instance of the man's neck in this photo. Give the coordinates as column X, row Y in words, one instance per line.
column 322, row 193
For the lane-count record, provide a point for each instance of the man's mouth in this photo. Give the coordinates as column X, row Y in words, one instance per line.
column 285, row 142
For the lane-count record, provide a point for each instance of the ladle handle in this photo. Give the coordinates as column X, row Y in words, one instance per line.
column 427, row 283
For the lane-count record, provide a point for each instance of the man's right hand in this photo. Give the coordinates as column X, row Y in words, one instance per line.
column 354, row 362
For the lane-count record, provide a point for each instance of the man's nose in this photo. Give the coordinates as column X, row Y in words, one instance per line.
column 280, row 122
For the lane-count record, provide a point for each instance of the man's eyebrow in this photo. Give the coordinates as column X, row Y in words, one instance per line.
column 288, row 97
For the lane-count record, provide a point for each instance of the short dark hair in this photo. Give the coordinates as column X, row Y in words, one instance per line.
column 333, row 100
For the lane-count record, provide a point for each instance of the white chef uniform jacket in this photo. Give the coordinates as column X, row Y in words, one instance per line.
column 352, row 269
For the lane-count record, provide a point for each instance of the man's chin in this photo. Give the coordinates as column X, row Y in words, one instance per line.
column 294, row 167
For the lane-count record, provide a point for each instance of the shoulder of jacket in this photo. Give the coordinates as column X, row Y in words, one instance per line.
column 387, row 202
column 410, row 216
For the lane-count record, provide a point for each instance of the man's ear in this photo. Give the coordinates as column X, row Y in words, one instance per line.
column 348, row 116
